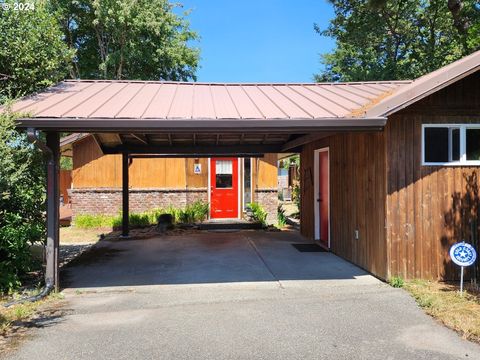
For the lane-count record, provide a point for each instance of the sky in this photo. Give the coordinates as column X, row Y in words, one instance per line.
column 259, row 41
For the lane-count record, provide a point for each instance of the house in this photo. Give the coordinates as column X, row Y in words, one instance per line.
column 388, row 170
column 227, row 184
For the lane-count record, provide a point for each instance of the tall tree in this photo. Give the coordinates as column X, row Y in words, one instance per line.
column 129, row 39
column 33, row 54
column 387, row 39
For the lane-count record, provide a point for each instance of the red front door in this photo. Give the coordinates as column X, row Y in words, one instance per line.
column 323, row 197
column 223, row 188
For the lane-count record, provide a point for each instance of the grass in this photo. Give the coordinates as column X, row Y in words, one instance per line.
column 22, row 312
column 74, row 235
column 443, row 302
column 195, row 212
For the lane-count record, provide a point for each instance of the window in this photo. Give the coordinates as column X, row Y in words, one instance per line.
column 456, row 144
column 223, row 174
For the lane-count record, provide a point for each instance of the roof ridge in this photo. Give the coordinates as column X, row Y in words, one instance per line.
column 241, row 83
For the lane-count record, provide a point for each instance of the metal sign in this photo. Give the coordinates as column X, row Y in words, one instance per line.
column 463, row 254
column 197, row 168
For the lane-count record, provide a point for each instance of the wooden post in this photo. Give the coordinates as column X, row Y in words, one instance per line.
column 53, row 211
column 125, row 209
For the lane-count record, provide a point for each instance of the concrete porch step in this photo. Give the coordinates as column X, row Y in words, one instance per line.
column 229, row 224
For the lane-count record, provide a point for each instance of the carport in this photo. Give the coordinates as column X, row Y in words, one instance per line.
column 166, row 119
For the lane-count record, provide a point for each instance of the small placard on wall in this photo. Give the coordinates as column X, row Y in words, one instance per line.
column 197, row 168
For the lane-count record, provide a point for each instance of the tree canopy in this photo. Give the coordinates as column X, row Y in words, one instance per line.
column 142, row 39
column 388, row 40
column 33, row 54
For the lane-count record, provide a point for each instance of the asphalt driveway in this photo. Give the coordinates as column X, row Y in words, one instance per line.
column 241, row 295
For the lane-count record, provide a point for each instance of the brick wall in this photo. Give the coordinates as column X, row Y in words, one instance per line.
column 108, row 201
column 268, row 199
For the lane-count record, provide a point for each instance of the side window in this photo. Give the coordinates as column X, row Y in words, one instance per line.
column 456, row 144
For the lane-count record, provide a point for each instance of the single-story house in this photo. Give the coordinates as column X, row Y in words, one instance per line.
column 227, row 184
column 389, row 169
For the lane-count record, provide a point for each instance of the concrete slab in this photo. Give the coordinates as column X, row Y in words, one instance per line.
column 245, row 295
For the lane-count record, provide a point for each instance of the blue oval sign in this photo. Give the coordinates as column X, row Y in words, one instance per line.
column 463, row 254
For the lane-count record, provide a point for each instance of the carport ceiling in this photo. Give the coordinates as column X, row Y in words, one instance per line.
column 196, row 118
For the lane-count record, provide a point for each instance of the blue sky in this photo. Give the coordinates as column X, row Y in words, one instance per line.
column 259, row 41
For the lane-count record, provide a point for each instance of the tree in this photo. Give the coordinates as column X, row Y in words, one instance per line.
column 388, row 40
column 142, row 39
column 22, row 202
column 33, row 54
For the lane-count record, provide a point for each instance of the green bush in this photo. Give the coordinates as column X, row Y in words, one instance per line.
column 22, row 203
column 258, row 213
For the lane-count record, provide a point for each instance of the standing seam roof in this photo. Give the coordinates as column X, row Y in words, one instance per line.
column 81, row 99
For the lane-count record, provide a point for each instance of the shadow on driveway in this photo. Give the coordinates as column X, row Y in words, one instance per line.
column 205, row 257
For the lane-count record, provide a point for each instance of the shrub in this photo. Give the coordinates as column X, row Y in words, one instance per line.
column 258, row 213
column 22, row 202
column 200, row 210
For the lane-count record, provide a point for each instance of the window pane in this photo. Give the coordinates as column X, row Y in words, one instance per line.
column 455, row 144
column 436, row 144
column 473, row 144
column 223, row 181
column 223, row 166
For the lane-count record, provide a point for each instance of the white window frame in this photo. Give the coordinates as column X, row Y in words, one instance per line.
column 463, row 145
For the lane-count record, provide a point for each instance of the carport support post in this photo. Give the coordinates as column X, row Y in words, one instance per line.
column 53, row 211
column 125, row 195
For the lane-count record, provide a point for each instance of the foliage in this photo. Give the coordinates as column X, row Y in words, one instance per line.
column 258, row 213
column 142, row 39
column 293, row 160
column 296, row 196
column 282, row 219
column 195, row 212
column 22, row 197
column 33, row 54
column 388, row 40
column 66, row 163
column 396, row 282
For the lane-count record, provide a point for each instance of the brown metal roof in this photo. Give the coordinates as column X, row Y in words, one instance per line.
column 97, row 99
column 426, row 85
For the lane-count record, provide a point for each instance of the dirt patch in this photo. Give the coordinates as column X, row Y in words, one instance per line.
column 18, row 320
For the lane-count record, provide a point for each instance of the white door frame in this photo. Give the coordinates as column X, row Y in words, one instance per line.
column 239, row 189
column 316, row 197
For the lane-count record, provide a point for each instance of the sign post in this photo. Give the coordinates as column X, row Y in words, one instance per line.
column 462, row 254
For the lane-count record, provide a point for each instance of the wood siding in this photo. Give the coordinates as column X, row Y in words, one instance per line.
column 65, row 184
column 92, row 169
column 265, row 172
column 357, row 197
column 429, row 207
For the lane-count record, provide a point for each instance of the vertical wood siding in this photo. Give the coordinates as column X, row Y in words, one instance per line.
column 92, row 169
column 429, row 207
column 357, row 197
